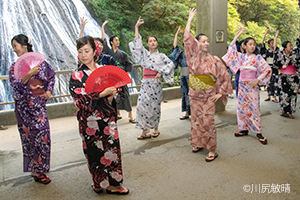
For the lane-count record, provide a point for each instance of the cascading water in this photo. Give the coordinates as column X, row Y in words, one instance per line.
column 53, row 27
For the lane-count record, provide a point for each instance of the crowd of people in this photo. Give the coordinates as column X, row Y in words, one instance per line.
column 204, row 80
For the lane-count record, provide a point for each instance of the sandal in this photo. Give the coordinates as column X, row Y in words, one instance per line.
column 241, row 133
column 119, row 117
column 155, row 134
column 41, row 178
column 267, row 99
column 210, row 158
column 183, row 117
column 132, row 121
column 262, row 139
column 287, row 115
column 96, row 189
column 118, row 191
column 275, row 100
column 196, row 149
column 2, row 128
column 143, row 137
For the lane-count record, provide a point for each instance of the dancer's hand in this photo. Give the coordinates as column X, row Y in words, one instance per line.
column 48, row 95
column 108, row 91
column 83, row 21
column 104, row 23
column 192, row 12
column 216, row 97
column 157, row 77
column 254, row 83
column 34, row 71
column 139, row 22
column 239, row 33
column 178, row 30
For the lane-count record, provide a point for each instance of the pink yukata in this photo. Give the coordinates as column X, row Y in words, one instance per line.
column 251, row 68
column 203, row 129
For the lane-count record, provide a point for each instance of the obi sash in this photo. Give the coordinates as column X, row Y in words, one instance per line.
column 202, row 81
column 247, row 73
column 148, row 73
column 36, row 87
column 290, row 69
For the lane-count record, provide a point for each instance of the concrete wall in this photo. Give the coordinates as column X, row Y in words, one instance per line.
column 57, row 110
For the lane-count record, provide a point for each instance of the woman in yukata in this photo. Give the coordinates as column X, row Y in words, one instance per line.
column 288, row 62
column 155, row 65
column 208, row 81
column 178, row 58
column 268, row 55
column 97, row 122
column 31, row 94
column 254, row 70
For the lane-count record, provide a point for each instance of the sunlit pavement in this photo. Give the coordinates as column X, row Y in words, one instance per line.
column 164, row 167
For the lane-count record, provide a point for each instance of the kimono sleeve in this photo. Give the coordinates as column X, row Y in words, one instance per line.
column 137, row 49
column 50, row 75
column 83, row 100
column 263, row 70
column 190, row 46
column 263, row 50
column 224, row 86
column 233, row 58
column 278, row 56
column 127, row 63
column 167, row 69
column 175, row 56
column 21, row 90
column 106, row 49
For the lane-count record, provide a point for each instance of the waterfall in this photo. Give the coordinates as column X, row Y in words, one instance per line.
column 53, row 27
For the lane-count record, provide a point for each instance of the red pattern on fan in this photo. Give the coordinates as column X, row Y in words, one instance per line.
column 106, row 76
column 26, row 62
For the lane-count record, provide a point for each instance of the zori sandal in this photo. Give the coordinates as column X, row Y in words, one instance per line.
column 241, row 133
column 144, row 137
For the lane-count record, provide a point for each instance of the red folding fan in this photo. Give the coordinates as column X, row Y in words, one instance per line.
column 106, row 76
column 26, row 62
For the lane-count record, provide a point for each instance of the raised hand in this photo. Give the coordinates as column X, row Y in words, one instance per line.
column 104, row 23
column 192, row 12
column 83, row 21
column 139, row 22
column 277, row 32
column 178, row 30
column 267, row 31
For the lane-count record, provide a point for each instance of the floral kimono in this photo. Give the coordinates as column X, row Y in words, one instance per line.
column 31, row 114
column 98, row 128
column 150, row 96
column 203, row 133
column 288, row 83
column 268, row 55
column 251, row 68
column 178, row 58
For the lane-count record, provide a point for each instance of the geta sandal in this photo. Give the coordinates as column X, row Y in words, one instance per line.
column 96, row 189
column 261, row 138
column 183, row 117
column 196, row 149
column 41, row 178
column 155, row 134
column 241, row 133
column 118, row 191
column 132, row 121
column 210, row 158
column 144, row 137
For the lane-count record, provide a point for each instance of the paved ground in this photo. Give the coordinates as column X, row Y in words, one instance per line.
column 165, row 168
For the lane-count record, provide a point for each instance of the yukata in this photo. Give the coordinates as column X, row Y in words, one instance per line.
column 31, row 114
column 251, row 68
column 288, row 79
column 148, row 107
column 124, row 59
column 268, row 55
column 203, row 129
column 178, row 58
column 98, row 128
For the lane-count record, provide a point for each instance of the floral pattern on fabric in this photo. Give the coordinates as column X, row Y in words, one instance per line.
column 31, row 115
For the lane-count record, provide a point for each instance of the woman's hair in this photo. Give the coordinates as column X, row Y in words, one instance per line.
column 247, row 40
column 284, row 45
column 270, row 40
column 150, row 37
column 199, row 36
column 87, row 40
column 111, row 39
column 23, row 40
column 99, row 39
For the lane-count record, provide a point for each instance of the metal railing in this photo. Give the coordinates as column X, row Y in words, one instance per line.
column 63, row 77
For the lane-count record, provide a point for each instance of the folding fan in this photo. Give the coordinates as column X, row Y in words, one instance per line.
column 26, row 62
column 106, row 76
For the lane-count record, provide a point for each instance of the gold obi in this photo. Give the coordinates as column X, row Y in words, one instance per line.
column 202, row 81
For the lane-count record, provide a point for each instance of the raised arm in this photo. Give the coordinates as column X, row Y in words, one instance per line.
column 264, row 37
column 138, row 23
column 192, row 12
column 176, row 37
column 238, row 34
column 102, row 30
column 275, row 40
column 83, row 23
